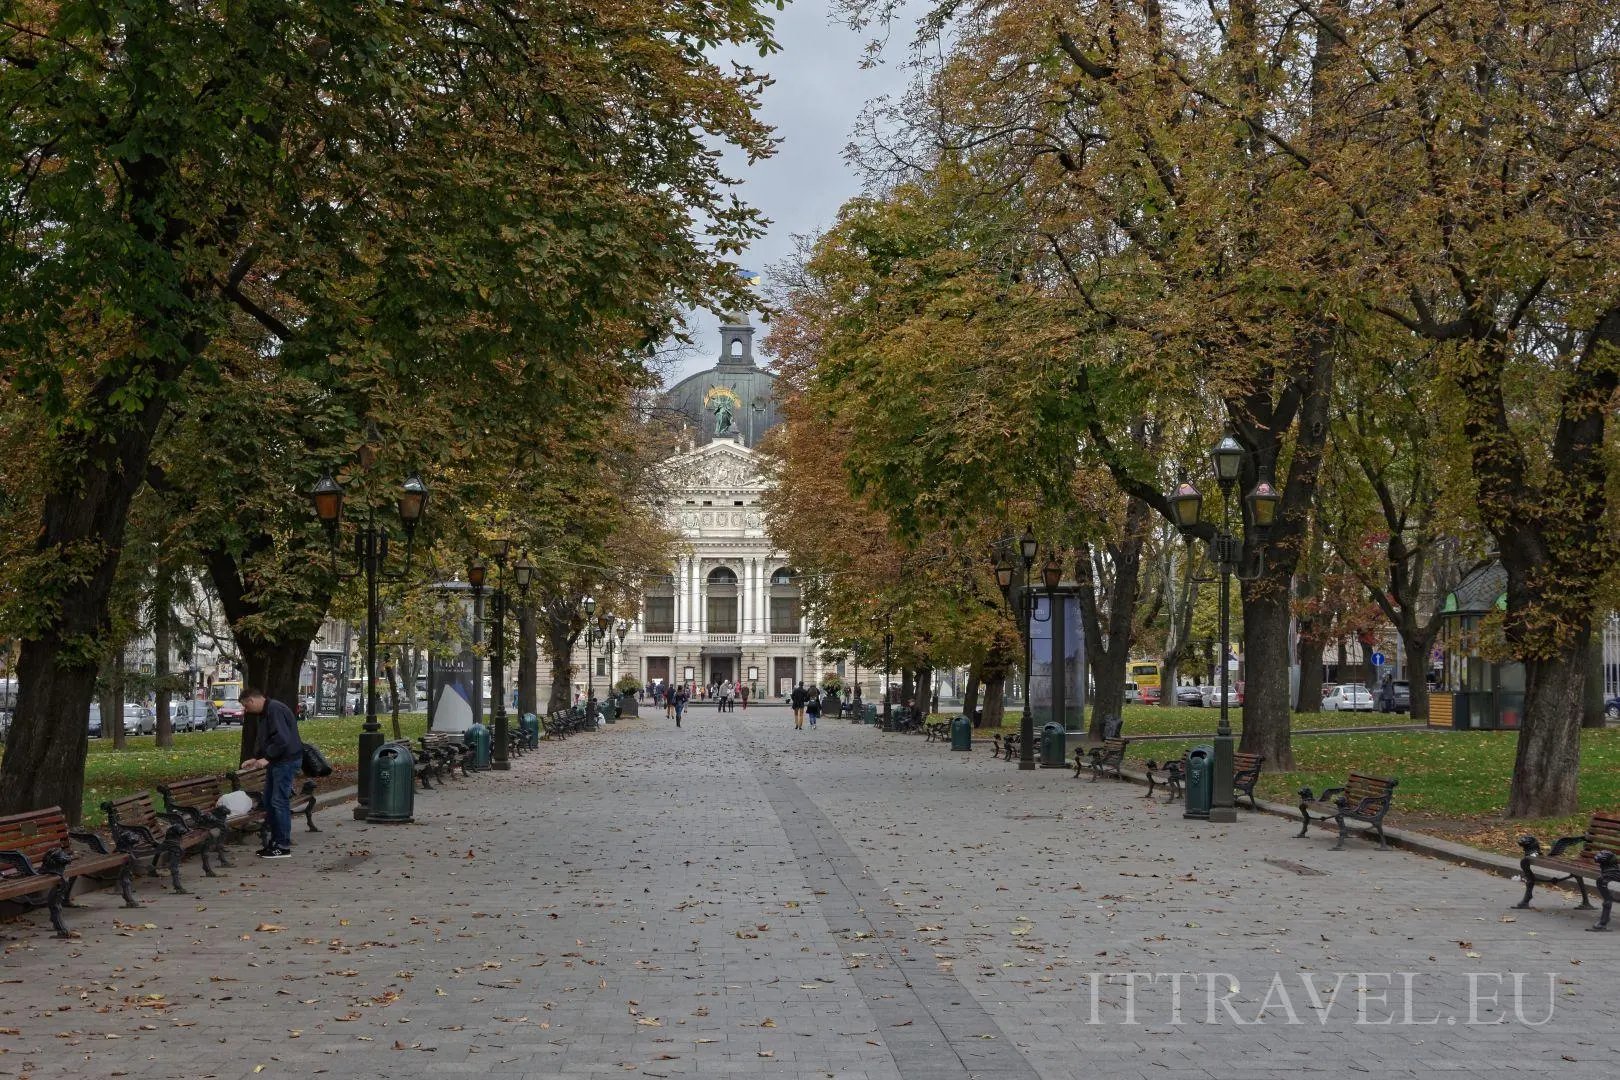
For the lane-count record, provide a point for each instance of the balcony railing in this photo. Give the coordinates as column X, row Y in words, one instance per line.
column 723, row 639
column 784, row 639
column 658, row 639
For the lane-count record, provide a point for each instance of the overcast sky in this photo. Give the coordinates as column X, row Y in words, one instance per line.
column 819, row 92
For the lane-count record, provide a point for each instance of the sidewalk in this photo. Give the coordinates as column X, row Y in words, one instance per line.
column 736, row 898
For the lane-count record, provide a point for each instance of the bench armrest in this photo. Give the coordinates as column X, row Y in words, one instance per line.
column 1564, row 843
column 1367, row 806
column 131, row 836
column 1327, row 793
column 91, row 840
column 17, row 861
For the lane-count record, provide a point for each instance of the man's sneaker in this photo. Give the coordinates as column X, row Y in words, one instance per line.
column 275, row 853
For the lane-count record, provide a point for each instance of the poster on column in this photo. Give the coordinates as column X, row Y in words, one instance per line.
column 451, row 706
column 328, row 683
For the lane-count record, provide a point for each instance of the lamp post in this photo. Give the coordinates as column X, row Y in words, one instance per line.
column 590, row 639
column 477, row 575
column 1026, row 610
column 888, row 642
column 1186, row 507
column 620, row 631
column 371, row 557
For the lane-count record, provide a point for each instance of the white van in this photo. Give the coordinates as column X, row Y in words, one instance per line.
column 1133, row 694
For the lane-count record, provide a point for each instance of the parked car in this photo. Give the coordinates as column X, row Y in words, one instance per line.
column 1611, row 709
column 229, row 711
column 1351, row 697
column 1133, row 696
column 1189, row 695
column 1211, row 696
column 1328, row 688
column 188, row 715
column 1150, row 695
column 1395, row 696
column 138, row 720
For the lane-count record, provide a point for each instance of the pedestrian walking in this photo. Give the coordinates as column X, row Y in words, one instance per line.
column 680, row 704
column 812, row 708
column 280, row 751
column 742, row 692
column 669, row 704
column 797, row 699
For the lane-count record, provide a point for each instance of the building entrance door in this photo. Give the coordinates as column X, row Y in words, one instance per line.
column 721, row 669
column 657, row 670
column 785, row 671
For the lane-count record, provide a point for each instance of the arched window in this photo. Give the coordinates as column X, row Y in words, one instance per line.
column 721, row 604
column 786, row 609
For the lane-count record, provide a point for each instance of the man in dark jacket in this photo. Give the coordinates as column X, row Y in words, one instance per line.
column 280, row 752
column 797, row 700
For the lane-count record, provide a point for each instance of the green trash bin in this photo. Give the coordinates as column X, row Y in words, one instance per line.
column 477, row 737
column 1200, row 791
column 871, row 713
column 1054, row 746
column 393, row 784
column 961, row 733
column 529, row 725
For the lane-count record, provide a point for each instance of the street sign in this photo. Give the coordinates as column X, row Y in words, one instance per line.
column 1378, row 659
column 1232, row 665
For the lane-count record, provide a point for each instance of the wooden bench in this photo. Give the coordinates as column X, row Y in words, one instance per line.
column 38, row 863
column 139, row 831
column 195, row 802
column 937, row 731
column 1245, row 773
column 1596, row 860
column 1007, row 745
column 1362, row 798
column 252, row 781
column 1170, row 775
column 448, row 749
column 1110, row 755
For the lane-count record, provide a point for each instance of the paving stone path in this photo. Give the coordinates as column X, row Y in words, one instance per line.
column 738, row 899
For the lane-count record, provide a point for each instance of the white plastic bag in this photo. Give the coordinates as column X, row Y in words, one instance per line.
column 236, row 803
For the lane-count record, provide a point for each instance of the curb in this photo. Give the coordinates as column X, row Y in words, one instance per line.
column 1421, row 843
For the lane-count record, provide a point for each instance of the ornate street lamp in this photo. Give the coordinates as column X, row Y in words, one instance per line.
column 371, row 557
column 1186, row 507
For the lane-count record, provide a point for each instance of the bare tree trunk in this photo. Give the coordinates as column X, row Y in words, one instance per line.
column 161, row 615
column 1309, row 651
column 1417, row 675
column 391, row 672
column 84, row 512
column 528, row 662
column 1265, row 637
column 1593, row 714
column 115, row 691
column 970, row 695
column 1547, row 765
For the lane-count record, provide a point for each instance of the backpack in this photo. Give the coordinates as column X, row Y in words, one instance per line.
column 315, row 763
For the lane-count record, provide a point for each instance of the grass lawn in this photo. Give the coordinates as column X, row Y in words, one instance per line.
column 111, row 773
column 1452, row 783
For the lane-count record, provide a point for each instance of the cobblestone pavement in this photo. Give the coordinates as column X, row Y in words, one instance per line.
column 738, row 899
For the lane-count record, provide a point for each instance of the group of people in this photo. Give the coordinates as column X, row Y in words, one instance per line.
column 806, row 704
column 724, row 693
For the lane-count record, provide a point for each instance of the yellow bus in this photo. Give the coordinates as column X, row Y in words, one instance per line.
column 1143, row 673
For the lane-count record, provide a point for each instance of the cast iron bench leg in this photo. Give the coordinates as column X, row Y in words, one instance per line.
column 1305, row 821
column 1610, row 874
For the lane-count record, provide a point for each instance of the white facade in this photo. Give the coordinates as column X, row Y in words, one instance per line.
column 730, row 610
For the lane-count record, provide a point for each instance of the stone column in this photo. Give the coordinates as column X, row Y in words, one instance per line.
column 680, row 589
column 700, row 598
